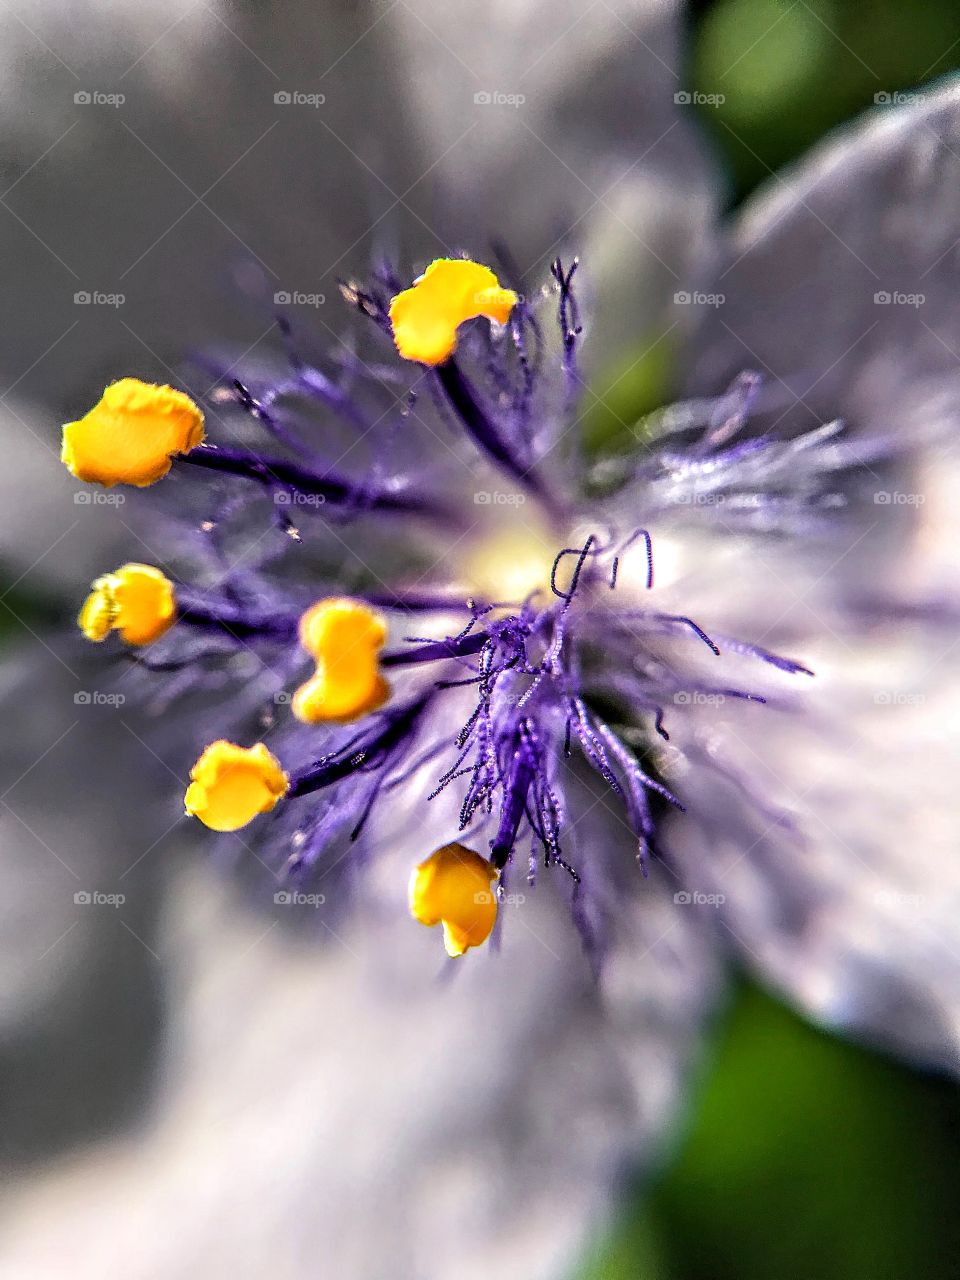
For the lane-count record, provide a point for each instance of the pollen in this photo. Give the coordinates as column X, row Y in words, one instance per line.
column 453, row 888
column 345, row 637
column 426, row 317
column 230, row 785
column 131, row 435
column 137, row 600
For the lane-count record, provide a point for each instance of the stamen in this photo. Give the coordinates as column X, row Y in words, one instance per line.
column 231, row 785
column 426, row 317
column 137, row 600
column 131, row 435
column 468, row 409
column 234, row 619
column 345, row 637
column 520, row 773
column 436, row 650
column 281, row 475
column 362, row 753
column 452, row 888
column 536, row 661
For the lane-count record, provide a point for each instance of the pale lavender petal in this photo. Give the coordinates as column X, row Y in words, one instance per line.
column 198, row 190
column 844, row 891
column 839, row 278
column 81, row 821
column 152, row 163
column 559, row 131
column 328, row 1090
column 839, row 282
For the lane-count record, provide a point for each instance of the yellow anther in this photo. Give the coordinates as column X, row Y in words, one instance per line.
column 345, row 637
column 230, row 785
column 453, row 888
column 131, row 435
column 137, row 600
column 426, row 317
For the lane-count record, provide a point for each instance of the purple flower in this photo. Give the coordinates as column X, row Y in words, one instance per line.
column 525, row 641
column 335, row 1101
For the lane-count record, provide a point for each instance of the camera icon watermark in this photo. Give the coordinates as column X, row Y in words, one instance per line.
column 497, row 98
column 96, row 498
column 296, row 298
column 96, row 98
column 694, row 98
column 898, row 698
column 294, row 498
column 894, row 498
column 96, row 298
column 694, row 898
column 897, row 98
column 94, row 698
column 687, row 298
column 297, row 98
column 699, row 499
column 94, row 898
column 886, row 298
column 498, row 498
column 294, row 898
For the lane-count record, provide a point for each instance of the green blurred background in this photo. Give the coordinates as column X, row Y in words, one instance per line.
column 802, row 1155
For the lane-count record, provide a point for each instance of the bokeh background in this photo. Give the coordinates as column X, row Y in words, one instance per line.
column 800, row 1154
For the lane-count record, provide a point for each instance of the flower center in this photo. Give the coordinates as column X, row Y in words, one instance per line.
column 510, row 559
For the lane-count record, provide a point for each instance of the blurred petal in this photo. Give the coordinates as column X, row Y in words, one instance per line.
column 196, row 181
column 560, row 133
column 132, row 229
column 857, row 918
column 348, row 1106
column 57, row 533
column 189, row 187
column 80, row 816
column 840, row 282
column 825, row 850
column 823, row 273
column 197, row 168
